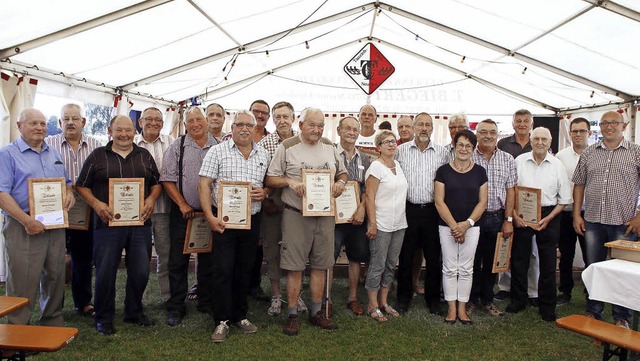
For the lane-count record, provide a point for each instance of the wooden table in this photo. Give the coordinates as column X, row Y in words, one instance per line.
column 10, row 304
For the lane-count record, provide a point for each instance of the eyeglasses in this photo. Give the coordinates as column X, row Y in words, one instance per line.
column 485, row 132
column 259, row 112
column 149, row 119
column 606, row 123
column 462, row 146
column 579, row 131
column 389, row 142
column 244, row 125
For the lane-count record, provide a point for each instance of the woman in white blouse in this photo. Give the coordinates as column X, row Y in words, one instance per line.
column 385, row 204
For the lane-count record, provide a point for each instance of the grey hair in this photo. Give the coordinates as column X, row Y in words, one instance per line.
column 246, row 112
column 307, row 111
column 459, row 116
column 71, row 105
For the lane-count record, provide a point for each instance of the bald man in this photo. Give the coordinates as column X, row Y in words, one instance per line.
column 539, row 169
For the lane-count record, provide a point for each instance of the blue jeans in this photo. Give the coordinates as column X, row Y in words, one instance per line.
column 596, row 235
column 108, row 243
column 483, row 277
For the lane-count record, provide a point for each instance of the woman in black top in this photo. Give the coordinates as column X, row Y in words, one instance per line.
column 460, row 198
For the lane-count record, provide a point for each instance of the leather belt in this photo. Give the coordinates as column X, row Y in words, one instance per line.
column 291, row 208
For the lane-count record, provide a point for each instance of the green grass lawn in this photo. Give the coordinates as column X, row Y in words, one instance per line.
column 416, row 336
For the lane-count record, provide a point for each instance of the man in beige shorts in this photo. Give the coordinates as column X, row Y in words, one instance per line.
column 305, row 238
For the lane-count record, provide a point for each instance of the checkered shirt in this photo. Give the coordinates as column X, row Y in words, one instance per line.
column 501, row 170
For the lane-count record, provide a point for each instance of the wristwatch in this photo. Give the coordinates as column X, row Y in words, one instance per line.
column 471, row 222
column 510, row 219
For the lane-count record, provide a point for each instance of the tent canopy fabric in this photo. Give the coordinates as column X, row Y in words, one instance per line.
column 484, row 58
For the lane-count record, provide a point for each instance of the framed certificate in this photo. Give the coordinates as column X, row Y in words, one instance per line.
column 234, row 204
column 502, row 255
column 348, row 202
column 317, row 199
column 528, row 204
column 126, row 199
column 198, row 237
column 46, row 202
column 79, row 213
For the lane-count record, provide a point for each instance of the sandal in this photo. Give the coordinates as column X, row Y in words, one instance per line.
column 377, row 315
column 390, row 311
column 193, row 293
column 88, row 311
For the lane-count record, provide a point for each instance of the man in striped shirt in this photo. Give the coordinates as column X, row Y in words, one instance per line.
column 151, row 122
column 75, row 147
column 419, row 159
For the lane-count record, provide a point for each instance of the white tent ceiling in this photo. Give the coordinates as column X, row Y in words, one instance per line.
column 489, row 57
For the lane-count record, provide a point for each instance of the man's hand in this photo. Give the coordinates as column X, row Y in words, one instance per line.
column 33, row 227
column 257, row 194
column 296, row 186
column 372, row 230
column 542, row 225
column 147, row 209
column 337, row 189
column 633, row 226
column 507, row 229
column 103, row 211
column 69, row 201
column 186, row 210
column 216, row 224
column 358, row 217
column 518, row 222
column 578, row 224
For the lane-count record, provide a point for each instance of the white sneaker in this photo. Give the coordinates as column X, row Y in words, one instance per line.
column 276, row 306
column 246, row 327
column 302, row 307
column 220, row 333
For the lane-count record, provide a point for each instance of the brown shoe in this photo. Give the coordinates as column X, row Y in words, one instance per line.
column 354, row 306
column 321, row 321
column 291, row 327
column 323, row 309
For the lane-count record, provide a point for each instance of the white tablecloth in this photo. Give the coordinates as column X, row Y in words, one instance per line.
column 614, row 281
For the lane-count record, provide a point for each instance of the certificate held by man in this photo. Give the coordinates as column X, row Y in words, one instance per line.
column 348, row 202
column 234, row 204
column 317, row 199
column 79, row 214
column 46, row 197
column 126, row 197
column 528, row 204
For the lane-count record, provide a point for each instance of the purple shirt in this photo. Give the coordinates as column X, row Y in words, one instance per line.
column 19, row 162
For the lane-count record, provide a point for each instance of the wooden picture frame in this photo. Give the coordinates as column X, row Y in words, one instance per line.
column 46, row 201
column 502, row 254
column 348, row 202
column 529, row 204
column 126, row 200
column 198, row 238
column 234, row 204
column 80, row 214
column 318, row 199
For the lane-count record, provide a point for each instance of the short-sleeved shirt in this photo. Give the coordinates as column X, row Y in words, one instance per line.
column 391, row 197
column 501, row 172
column 549, row 176
column 191, row 162
column 272, row 141
column 611, row 178
column 569, row 159
column 225, row 162
column 19, row 162
column 103, row 163
column 356, row 166
column 420, row 169
column 157, row 148
column 73, row 161
column 461, row 190
column 294, row 154
column 511, row 146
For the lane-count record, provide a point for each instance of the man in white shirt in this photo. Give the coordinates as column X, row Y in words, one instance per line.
column 580, row 131
column 151, row 122
column 539, row 169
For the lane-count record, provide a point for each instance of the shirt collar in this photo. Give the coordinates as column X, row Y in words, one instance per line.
column 23, row 146
column 412, row 143
column 529, row 157
column 141, row 139
column 624, row 144
column 211, row 141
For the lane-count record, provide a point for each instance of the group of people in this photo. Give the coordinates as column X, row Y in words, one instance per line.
column 446, row 203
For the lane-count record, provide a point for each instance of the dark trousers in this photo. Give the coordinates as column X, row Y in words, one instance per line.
column 234, row 252
column 567, row 247
column 547, row 241
column 80, row 248
column 179, row 268
column 422, row 233
column 256, row 269
column 483, row 277
column 108, row 243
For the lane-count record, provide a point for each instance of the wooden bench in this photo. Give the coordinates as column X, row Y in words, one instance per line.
column 608, row 334
column 10, row 304
column 17, row 340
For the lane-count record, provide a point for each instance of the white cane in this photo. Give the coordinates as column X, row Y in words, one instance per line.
column 326, row 298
